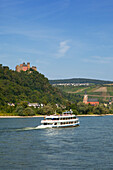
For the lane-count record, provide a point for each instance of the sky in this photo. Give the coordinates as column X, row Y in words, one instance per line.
column 62, row 38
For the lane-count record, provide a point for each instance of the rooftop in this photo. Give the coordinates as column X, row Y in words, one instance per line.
column 92, row 100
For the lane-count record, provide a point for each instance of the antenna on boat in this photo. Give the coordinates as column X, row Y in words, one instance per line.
column 55, row 112
column 71, row 111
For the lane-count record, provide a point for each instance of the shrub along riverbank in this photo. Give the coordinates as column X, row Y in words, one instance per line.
column 78, row 109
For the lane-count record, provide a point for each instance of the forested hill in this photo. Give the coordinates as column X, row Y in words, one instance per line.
column 80, row 80
column 28, row 86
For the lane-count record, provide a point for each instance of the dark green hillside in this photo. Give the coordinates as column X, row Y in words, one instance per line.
column 25, row 86
column 80, row 80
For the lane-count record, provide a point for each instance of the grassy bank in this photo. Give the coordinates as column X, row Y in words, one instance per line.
column 13, row 115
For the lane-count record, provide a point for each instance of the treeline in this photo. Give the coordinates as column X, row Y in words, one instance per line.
column 79, row 108
column 80, row 80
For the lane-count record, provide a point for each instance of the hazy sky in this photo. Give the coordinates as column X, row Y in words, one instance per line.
column 62, row 38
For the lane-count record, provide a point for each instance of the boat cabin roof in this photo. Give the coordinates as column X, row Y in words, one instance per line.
column 60, row 116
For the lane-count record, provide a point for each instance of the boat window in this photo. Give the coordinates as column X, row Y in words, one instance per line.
column 55, row 118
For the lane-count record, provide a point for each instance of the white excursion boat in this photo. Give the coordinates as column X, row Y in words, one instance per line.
column 67, row 119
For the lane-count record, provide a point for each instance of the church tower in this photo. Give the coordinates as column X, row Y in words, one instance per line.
column 85, row 99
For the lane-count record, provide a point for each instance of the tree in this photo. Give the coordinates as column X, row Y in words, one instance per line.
column 59, row 110
column 48, row 109
column 100, row 109
column 82, row 108
column 24, row 104
column 40, row 111
column 19, row 111
column 97, row 110
column 75, row 112
column 28, row 111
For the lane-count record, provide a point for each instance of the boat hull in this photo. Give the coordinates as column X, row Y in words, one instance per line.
column 57, row 126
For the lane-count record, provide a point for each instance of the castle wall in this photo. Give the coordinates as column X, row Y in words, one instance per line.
column 24, row 67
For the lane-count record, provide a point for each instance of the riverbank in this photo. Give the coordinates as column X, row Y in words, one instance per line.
column 45, row 115
column 21, row 116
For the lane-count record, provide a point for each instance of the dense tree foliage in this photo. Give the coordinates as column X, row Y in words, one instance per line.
column 30, row 86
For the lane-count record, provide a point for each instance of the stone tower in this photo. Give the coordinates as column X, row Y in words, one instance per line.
column 18, row 68
column 85, row 99
column 28, row 66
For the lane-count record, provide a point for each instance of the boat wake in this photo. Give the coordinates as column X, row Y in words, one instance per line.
column 28, row 128
column 21, row 129
column 31, row 128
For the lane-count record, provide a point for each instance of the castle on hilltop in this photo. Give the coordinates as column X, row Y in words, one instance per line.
column 25, row 67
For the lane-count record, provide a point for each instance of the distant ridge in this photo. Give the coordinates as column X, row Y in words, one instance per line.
column 80, row 80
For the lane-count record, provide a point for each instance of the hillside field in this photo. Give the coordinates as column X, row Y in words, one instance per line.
column 103, row 92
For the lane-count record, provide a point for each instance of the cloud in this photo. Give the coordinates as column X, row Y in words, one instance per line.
column 99, row 60
column 63, row 48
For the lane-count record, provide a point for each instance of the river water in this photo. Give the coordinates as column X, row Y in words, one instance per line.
column 89, row 146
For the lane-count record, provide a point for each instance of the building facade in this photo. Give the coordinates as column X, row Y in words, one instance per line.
column 24, row 67
column 92, row 101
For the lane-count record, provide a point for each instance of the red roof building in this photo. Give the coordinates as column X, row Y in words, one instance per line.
column 92, row 101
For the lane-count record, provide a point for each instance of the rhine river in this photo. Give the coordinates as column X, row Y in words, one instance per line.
column 89, row 146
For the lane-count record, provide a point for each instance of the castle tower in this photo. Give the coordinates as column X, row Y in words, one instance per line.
column 18, row 68
column 28, row 66
column 85, row 99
